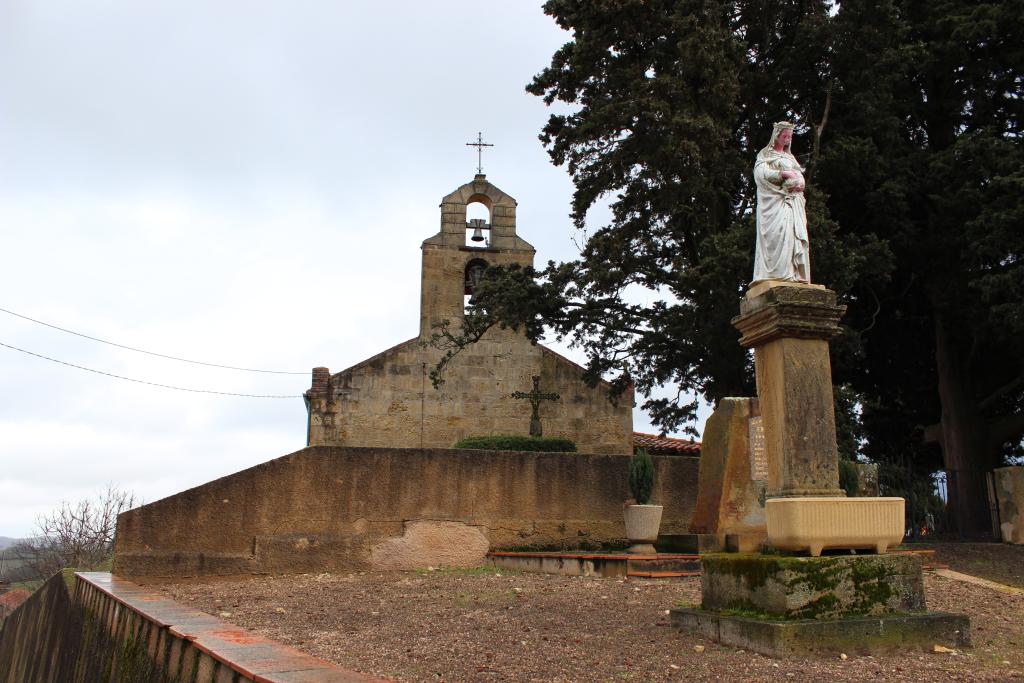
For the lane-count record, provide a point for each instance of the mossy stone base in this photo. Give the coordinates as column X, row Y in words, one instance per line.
column 858, row 635
column 777, row 586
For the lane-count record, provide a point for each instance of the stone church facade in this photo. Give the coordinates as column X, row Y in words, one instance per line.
column 388, row 400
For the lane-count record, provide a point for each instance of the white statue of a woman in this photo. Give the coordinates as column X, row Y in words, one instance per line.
column 782, row 251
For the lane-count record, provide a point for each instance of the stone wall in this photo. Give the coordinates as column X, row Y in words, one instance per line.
column 40, row 640
column 388, row 400
column 344, row 508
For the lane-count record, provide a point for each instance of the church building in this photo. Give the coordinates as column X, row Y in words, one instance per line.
column 388, row 400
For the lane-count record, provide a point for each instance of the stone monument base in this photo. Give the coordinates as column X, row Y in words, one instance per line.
column 777, row 586
column 860, row 635
column 780, row 605
column 815, row 523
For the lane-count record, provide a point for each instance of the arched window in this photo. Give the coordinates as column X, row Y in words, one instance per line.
column 474, row 273
column 478, row 224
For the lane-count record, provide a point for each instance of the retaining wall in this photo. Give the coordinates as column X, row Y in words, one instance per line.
column 343, row 508
column 40, row 640
column 112, row 630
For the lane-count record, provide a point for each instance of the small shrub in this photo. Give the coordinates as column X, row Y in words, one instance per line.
column 641, row 477
column 518, row 443
column 849, row 477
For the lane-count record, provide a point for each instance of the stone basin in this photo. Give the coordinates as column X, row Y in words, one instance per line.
column 817, row 523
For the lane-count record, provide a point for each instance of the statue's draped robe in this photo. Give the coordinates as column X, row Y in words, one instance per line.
column 782, row 251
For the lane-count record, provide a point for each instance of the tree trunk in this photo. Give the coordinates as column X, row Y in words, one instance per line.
column 967, row 450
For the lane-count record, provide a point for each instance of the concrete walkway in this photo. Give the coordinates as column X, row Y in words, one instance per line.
column 978, row 581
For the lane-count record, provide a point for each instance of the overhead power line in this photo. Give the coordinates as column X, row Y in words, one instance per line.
column 142, row 381
column 149, row 353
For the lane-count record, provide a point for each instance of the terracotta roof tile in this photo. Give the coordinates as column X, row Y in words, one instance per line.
column 664, row 445
column 13, row 598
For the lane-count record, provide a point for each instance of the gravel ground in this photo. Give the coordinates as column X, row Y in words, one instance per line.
column 487, row 625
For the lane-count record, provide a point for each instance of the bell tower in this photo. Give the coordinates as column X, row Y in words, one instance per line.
column 455, row 258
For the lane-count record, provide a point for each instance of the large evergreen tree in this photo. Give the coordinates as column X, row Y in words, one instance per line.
column 926, row 152
column 908, row 120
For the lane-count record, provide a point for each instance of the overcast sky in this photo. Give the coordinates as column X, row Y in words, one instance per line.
column 243, row 183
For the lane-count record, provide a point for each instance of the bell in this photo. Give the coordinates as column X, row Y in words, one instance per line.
column 478, row 225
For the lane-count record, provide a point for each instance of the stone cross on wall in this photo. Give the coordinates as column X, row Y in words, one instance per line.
column 535, row 397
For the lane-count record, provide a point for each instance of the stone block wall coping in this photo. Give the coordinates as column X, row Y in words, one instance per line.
column 254, row 657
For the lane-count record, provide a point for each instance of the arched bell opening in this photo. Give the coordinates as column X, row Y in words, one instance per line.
column 474, row 272
column 478, row 223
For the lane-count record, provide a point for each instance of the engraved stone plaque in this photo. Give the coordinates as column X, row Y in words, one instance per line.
column 756, row 449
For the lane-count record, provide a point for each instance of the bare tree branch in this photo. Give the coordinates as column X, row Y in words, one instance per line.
column 79, row 535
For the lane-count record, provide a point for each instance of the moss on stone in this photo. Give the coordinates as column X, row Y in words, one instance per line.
column 751, row 568
column 825, row 606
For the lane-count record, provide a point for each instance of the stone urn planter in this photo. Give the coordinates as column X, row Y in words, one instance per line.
column 642, row 520
column 816, row 523
column 642, row 524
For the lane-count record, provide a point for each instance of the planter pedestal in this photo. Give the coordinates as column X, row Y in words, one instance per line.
column 642, row 524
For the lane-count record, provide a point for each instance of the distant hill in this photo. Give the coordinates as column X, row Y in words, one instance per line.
column 7, row 542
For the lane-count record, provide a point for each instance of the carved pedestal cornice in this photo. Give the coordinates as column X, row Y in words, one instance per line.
column 788, row 311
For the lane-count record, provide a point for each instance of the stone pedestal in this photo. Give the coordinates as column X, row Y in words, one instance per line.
column 780, row 605
column 776, row 586
column 789, row 325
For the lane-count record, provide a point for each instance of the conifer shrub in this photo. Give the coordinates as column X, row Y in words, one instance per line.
column 849, row 477
column 641, row 476
column 518, row 443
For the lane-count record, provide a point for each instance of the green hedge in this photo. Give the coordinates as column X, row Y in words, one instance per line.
column 518, row 443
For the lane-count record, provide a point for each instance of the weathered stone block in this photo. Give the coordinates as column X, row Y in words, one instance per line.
column 730, row 495
column 1009, row 493
column 812, row 587
column 867, row 479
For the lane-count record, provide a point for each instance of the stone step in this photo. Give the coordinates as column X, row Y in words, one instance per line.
column 661, row 565
column 620, row 564
column 661, row 575
column 664, row 563
column 690, row 543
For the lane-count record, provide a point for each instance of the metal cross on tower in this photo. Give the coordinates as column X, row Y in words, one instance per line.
column 479, row 144
column 535, row 398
